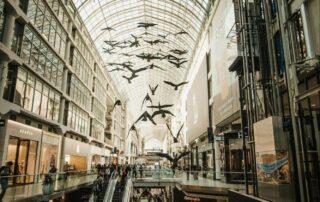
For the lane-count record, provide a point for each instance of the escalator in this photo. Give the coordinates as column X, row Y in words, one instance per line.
column 118, row 192
column 106, row 189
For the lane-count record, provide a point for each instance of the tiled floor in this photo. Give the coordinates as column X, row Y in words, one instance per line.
column 18, row 193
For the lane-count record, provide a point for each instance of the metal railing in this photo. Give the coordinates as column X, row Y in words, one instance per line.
column 226, row 180
column 28, row 186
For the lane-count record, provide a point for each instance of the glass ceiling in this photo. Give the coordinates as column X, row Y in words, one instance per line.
column 113, row 24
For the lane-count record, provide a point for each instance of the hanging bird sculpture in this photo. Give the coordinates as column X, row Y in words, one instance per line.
column 176, row 86
column 175, row 138
column 144, row 117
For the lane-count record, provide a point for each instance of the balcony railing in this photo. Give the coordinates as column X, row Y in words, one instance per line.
column 40, row 186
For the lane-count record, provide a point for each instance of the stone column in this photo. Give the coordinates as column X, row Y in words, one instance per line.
column 3, row 76
column 64, row 80
column 8, row 30
column 61, row 110
column 67, row 51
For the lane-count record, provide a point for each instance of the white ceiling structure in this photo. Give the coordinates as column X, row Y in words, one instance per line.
column 170, row 17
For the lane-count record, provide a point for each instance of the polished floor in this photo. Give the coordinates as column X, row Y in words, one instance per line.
column 34, row 191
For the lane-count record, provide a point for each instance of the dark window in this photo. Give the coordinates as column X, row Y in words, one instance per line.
column 299, row 37
column 273, row 8
column 13, row 117
column 279, row 53
column 28, row 122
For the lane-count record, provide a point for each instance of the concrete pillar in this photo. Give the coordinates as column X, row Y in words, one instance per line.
column 3, row 76
column 61, row 110
column 217, row 155
column 8, row 30
column 67, row 51
column 62, row 153
column 64, row 80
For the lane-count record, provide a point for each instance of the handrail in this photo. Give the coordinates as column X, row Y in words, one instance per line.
column 111, row 187
column 128, row 189
column 56, row 173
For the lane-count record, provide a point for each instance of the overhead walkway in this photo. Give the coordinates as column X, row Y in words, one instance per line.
column 62, row 183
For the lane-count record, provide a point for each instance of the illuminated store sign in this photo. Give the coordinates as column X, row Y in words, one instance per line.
column 25, row 132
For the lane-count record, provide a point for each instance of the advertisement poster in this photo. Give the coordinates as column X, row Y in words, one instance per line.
column 273, row 167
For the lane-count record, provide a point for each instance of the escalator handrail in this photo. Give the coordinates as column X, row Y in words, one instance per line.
column 111, row 187
column 127, row 189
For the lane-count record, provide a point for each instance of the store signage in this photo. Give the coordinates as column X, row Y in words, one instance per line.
column 25, row 132
column 2, row 122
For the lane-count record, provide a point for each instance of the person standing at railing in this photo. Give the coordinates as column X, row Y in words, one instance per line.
column 134, row 171
column 141, row 171
column 52, row 171
column 5, row 172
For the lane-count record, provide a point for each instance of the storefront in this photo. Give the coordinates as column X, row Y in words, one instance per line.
column 30, row 149
column 50, row 151
column 76, row 155
column 107, row 155
column 230, row 157
column 23, row 143
column 96, row 154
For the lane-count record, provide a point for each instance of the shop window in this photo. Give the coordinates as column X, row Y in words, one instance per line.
column 49, row 155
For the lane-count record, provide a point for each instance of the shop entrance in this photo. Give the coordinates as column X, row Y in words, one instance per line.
column 23, row 153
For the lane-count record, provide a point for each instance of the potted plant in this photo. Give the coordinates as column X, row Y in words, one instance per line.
column 47, row 184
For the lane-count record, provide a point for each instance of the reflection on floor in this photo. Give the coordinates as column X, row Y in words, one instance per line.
column 35, row 190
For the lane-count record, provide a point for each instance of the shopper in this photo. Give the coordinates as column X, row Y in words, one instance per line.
column 5, row 172
column 134, row 168
column 98, row 186
column 140, row 171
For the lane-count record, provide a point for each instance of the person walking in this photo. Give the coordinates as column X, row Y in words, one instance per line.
column 5, row 172
column 140, row 171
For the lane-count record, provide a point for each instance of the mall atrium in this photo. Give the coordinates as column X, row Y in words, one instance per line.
column 160, row 100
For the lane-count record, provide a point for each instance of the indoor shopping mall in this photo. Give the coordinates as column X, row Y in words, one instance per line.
column 159, row 100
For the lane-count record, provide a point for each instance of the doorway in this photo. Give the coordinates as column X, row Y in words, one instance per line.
column 23, row 154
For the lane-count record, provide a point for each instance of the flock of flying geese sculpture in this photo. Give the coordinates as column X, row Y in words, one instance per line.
column 174, row 58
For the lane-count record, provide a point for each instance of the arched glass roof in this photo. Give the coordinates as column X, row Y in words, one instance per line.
column 177, row 25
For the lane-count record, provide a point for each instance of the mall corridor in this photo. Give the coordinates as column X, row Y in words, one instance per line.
column 160, row 100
